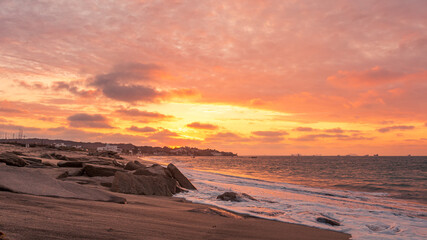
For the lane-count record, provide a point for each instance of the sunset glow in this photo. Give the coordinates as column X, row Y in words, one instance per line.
column 265, row 78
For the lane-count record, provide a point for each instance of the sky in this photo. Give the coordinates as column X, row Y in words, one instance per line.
column 252, row 77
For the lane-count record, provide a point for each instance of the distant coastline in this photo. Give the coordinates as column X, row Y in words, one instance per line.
column 125, row 148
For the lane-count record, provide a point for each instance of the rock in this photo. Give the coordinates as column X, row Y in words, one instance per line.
column 106, row 184
column 63, row 175
column 118, row 164
column 143, row 185
column 29, row 159
column 134, row 165
column 35, row 182
column 182, row 180
column 70, row 164
column 235, row 197
column 144, row 172
column 12, row 159
column 47, row 156
column 328, row 221
column 108, row 154
column 94, row 171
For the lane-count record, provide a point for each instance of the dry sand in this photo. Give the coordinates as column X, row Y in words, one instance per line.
column 25, row 216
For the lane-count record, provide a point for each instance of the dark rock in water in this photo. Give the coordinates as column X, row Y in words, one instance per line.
column 70, row 164
column 98, row 171
column 35, row 182
column 235, row 197
column 143, row 185
column 12, row 159
column 182, row 180
column 134, row 165
column 36, row 160
column 328, row 221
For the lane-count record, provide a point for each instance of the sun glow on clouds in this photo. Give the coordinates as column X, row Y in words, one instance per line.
column 270, row 77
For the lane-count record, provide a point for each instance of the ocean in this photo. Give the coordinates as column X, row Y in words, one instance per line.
column 373, row 197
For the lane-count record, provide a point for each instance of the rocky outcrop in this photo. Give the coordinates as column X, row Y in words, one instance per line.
column 235, row 197
column 12, row 159
column 35, row 182
column 182, row 180
column 143, row 185
column 134, row 165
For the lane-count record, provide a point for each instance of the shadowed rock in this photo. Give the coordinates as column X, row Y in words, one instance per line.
column 182, row 180
column 12, row 159
column 70, row 164
column 143, row 185
column 34, row 182
column 235, row 197
column 328, row 221
column 35, row 160
column 94, row 171
column 134, row 165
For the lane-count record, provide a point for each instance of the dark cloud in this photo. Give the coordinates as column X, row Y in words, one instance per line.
column 72, row 88
column 314, row 137
column 32, row 85
column 270, row 133
column 83, row 120
column 9, row 110
column 143, row 116
column 334, row 130
column 304, row 129
column 16, row 128
column 123, row 83
column 398, row 127
column 204, row 126
column 142, row 130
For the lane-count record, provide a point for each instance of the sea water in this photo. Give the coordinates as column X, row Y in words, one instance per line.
column 371, row 197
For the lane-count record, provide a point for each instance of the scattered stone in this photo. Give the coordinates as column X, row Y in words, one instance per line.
column 143, row 185
column 134, row 165
column 328, row 221
column 70, row 164
column 12, row 159
column 47, row 156
column 94, row 171
column 235, row 197
column 63, row 175
column 36, row 160
column 108, row 154
column 182, row 180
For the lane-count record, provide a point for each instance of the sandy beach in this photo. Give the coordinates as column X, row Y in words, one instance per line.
column 25, row 216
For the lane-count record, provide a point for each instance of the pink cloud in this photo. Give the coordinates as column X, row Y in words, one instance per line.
column 204, row 126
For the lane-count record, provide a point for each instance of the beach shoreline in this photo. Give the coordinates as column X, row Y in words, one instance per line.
column 25, row 216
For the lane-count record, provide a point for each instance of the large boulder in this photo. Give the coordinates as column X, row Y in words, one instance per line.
column 235, row 197
column 12, row 159
column 134, row 165
column 70, row 164
column 35, row 182
column 182, row 180
column 328, row 221
column 98, row 171
column 143, row 185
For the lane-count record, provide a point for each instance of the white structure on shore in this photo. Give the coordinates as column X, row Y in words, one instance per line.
column 109, row 148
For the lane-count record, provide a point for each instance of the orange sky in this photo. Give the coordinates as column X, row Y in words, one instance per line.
column 252, row 77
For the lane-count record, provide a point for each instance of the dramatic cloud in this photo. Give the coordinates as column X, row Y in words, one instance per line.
column 370, row 77
column 204, row 126
column 83, row 120
column 73, row 89
column 142, row 130
column 398, row 127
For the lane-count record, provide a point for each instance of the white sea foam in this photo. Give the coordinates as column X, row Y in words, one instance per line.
column 363, row 215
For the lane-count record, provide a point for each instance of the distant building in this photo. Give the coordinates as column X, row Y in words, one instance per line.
column 59, row 145
column 109, row 148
